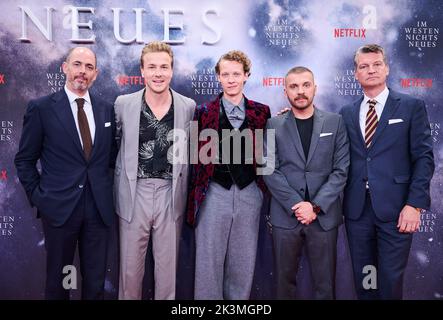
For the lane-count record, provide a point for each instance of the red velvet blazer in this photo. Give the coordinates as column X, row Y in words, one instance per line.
column 207, row 115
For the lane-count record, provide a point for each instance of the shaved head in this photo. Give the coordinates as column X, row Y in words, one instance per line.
column 80, row 49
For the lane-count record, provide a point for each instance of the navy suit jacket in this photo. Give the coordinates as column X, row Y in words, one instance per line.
column 399, row 163
column 50, row 135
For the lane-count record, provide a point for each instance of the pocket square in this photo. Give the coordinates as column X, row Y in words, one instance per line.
column 107, row 124
column 325, row 134
column 392, row 121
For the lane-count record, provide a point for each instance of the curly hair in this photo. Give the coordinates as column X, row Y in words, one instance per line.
column 238, row 56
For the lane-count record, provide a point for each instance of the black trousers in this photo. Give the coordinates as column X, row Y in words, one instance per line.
column 321, row 248
column 85, row 228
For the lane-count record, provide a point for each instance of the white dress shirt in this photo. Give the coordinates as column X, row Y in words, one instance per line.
column 364, row 107
column 88, row 111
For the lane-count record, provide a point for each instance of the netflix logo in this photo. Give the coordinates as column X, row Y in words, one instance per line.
column 416, row 83
column 349, row 33
column 125, row 80
column 273, row 82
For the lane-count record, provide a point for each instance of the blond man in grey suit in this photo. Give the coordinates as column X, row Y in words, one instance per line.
column 151, row 185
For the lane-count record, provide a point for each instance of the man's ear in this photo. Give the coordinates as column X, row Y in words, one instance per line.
column 64, row 66
column 96, row 73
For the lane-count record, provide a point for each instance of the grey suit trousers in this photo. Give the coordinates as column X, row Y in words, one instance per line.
column 152, row 215
column 321, row 249
column 226, row 242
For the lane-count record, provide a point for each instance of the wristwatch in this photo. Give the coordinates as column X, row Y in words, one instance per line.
column 315, row 208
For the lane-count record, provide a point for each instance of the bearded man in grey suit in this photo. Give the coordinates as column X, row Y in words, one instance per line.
column 311, row 164
column 151, row 185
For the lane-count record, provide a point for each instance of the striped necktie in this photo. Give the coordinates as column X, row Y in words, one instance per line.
column 371, row 123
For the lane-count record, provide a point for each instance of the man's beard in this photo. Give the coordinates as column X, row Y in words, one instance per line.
column 294, row 105
column 80, row 86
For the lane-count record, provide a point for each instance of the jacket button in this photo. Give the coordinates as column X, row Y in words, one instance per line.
column 80, row 186
column 368, row 159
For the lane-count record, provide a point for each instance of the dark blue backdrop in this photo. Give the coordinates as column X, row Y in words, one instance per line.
column 277, row 35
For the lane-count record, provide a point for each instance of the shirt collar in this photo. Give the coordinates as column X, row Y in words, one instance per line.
column 72, row 96
column 381, row 98
column 146, row 106
column 229, row 106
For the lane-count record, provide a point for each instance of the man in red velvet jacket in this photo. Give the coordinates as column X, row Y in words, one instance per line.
column 226, row 193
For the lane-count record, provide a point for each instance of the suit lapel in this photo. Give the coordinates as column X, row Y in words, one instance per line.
column 63, row 111
column 356, row 120
column 99, row 123
column 132, row 127
column 179, row 114
column 212, row 117
column 181, row 125
column 250, row 114
column 390, row 107
column 316, row 130
column 291, row 128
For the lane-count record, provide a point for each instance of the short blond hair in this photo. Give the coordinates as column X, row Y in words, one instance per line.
column 235, row 55
column 370, row 48
column 157, row 46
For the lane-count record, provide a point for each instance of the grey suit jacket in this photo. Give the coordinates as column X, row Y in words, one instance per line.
column 127, row 114
column 324, row 171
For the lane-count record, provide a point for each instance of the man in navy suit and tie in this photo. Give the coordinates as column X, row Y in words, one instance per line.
column 392, row 164
column 71, row 132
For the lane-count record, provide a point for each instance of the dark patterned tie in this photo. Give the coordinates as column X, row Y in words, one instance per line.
column 84, row 127
column 371, row 123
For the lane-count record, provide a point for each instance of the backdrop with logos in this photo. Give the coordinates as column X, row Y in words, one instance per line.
column 276, row 35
